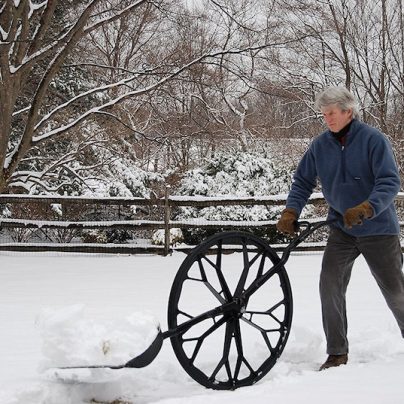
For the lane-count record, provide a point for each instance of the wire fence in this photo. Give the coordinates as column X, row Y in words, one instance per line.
column 136, row 225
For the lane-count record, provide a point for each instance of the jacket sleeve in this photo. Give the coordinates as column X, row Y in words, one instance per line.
column 304, row 182
column 386, row 176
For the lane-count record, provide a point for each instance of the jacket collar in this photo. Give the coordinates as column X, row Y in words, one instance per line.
column 350, row 128
column 343, row 132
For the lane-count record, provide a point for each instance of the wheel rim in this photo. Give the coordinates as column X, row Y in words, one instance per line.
column 239, row 347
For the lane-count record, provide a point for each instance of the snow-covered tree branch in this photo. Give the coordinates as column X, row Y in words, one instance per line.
column 40, row 39
column 167, row 83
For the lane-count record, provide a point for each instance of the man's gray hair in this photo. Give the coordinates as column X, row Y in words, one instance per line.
column 336, row 95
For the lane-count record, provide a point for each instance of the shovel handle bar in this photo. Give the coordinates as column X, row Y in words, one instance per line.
column 308, row 229
column 224, row 309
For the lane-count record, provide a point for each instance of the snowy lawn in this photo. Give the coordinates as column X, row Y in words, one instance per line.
column 94, row 295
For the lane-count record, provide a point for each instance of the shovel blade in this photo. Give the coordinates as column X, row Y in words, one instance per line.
column 140, row 361
column 148, row 355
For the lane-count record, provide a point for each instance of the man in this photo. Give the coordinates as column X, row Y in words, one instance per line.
column 358, row 174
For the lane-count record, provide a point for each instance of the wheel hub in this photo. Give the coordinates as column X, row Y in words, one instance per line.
column 240, row 308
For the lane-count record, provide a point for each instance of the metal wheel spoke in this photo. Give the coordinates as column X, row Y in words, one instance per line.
column 268, row 312
column 228, row 338
column 224, row 361
column 201, row 338
column 261, row 266
column 259, row 281
column 222, row 281
column 268, row 342
column 219, row 255
column 185, row 314
column 265, row 313
column 259, row 328
column 217, row 369
column 202, row 270
column 276, row 319
column 249, row 366
column 239, row 346
column 228, row 370
column 214, row 292
column 275, row 306
column 252, row 324
column 247, row 265
column 248, row 293
column 237, row 337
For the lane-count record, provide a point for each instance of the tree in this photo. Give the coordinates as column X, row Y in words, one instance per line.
column 41, row 41
column 354, row 43
column 32, row 39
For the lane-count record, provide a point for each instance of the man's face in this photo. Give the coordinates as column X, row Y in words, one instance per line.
column 335, row 118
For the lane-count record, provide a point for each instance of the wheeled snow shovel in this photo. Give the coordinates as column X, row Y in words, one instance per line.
column 239, row 340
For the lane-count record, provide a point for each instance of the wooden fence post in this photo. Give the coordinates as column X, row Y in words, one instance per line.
column 167, row 214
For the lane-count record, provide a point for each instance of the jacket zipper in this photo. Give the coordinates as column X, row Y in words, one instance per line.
column 343, row 168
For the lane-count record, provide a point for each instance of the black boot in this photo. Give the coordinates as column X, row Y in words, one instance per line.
column 334, row 360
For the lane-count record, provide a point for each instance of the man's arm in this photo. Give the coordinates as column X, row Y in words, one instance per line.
column 385, row 171
column 304, row 182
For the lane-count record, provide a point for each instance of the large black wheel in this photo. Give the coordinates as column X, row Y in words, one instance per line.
column 241, row 335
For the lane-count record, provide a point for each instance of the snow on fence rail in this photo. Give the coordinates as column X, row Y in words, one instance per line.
column 64, row 204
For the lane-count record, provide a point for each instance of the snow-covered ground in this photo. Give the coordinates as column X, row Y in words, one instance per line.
column 50, row 303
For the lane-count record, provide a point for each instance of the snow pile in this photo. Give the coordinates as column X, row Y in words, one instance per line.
column 112, row 285
column 70, row 337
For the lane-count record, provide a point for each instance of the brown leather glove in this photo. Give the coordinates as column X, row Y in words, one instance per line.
column 287, row 221
column 355, row 215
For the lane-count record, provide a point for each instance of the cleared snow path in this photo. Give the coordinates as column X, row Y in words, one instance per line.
column 112, row 288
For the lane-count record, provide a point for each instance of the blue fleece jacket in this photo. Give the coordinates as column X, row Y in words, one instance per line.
column 363, row 169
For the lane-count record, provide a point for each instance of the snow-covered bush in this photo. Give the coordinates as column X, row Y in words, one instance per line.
column 120, row 176
column 123, row 178
column 176, row 236
column 93, row 236
column 234, row 174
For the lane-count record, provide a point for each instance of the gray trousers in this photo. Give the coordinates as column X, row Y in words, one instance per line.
column 385, row 260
